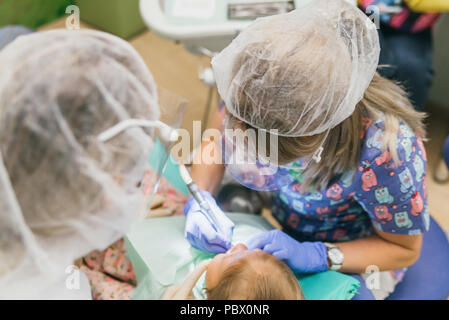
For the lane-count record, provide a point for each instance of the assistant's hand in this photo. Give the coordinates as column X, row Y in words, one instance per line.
column 200, row 232
column 301, row 257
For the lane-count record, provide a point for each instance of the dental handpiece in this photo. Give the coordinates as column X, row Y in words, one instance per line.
column 196, row 194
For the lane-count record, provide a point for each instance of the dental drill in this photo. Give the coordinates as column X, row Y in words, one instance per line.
column 196, row 194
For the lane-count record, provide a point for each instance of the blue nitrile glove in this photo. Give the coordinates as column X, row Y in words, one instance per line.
column 301, row 257
column 200, row 232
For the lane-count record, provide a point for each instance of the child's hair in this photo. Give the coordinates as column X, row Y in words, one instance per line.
column 382, row 99
column 262, row 278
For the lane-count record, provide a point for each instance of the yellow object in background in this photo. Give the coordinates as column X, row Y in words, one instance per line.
column 435, row 6
column 428, row 5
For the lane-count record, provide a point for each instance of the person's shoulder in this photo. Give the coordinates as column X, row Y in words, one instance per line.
column 409, row 147
column 408, row 143
column 372, row 139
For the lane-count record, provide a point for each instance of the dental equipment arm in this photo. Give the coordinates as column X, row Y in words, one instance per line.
column 207, row 226
column 167, row 132
column 195, row 192
column 199, row 230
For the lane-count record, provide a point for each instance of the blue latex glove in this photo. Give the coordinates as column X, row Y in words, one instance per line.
column 301, row 257
column 200, row 232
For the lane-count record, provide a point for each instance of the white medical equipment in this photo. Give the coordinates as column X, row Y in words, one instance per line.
column 203, row 26
column 206, row 27
column 208, row 24
column 195, row 192
column 199, row 24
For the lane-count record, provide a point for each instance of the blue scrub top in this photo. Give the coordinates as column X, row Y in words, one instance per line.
column 379, row 193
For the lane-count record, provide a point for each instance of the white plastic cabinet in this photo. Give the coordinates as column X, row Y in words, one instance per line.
column 206, row 25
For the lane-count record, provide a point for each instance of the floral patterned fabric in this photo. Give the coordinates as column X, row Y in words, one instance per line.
column 110, row 273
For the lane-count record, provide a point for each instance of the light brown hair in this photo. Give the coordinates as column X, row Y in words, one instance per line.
column 261, row 278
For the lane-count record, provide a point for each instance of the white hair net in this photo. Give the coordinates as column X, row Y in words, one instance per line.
column 301, row 73
column 63, row 192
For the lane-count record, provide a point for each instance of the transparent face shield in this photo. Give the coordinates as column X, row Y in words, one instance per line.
column 254, row 164
column 163, row 132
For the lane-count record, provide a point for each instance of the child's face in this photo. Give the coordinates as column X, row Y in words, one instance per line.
column 223, row 261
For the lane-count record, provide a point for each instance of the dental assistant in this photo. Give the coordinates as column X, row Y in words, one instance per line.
column 349, row 185
column 64, row 190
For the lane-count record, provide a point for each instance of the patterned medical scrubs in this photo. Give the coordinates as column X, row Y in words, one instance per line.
column 392, row 197
column 389, row 196
column 379, row 193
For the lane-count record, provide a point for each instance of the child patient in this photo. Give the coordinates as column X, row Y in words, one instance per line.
column 240, row 274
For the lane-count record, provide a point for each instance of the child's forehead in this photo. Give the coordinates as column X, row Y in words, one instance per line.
column 260, row 261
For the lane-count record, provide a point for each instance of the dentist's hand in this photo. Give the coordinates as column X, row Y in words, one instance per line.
column 200, row 232
column 301, row 257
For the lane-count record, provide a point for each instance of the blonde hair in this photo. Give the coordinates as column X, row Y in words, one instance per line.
column 382, row 99
column 260, row 278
